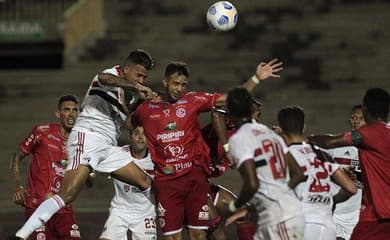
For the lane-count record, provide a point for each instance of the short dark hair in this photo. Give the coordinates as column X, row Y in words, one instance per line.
column 292, row 120
column 356, row 107
column 180, row 68
column 67, row 97
column 376, row 101
column 140, row 57
column 239, row 102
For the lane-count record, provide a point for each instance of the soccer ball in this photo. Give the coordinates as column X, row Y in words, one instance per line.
column 222, row 16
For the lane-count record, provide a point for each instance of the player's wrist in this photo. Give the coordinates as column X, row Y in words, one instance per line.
column 255, row 79
column 232, row 206
column 226, row 147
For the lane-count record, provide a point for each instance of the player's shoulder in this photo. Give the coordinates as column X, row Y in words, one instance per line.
column 115, row 70
column 46, row 127
column 197, row 95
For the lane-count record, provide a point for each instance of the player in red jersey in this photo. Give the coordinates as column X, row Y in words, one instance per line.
column 373, row 142
column 178, row 149
column 47, row 143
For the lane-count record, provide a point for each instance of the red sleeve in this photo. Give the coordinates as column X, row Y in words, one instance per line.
column 353, row 138
column 206, row 100
column 30, row 142
column 136, row 115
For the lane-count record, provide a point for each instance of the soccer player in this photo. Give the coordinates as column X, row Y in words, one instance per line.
column 130, row 208
column 218, row 165
column 178, row 149
column 373, row 142
column 316, row 193
column 46, row 143
column 346, row 214
column 92, row 143
column 268, row 172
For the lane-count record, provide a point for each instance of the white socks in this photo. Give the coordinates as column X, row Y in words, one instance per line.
column 41, row 215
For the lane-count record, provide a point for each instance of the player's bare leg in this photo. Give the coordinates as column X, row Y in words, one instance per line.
column 197, row 234
column 216, row 230
column 133, row 175
column 73, row 182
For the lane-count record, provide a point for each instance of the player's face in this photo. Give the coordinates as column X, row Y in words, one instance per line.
column 136, row 73
column 138, row 139
column 67, row 114
column 357, row 119
column 176, row 85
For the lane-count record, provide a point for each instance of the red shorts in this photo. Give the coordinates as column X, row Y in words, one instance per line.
column 183, row 201
column 60, row 226
column 372, row 230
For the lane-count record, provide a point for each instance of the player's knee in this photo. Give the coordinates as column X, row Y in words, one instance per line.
column 196, row 234
column 68, row 195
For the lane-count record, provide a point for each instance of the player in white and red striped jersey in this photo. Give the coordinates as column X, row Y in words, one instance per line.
column 130, row 208
column 92, row 144
column 265, row 166
column 47, row 145
column 316, row 193
column 346, row 214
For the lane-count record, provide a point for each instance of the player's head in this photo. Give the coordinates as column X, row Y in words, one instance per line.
column 176, row 79
column 356, row 120
column 240, row 103
column 376, row 104
column 68, row 110
column 256, row 112
column 292, row 120
column 137, row 65
column 138, row 140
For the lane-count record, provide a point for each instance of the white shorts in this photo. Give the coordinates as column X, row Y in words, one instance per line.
column 292, row 229
column 320, row 231
column 141, row 227
column 346, row 215
column 91, row 149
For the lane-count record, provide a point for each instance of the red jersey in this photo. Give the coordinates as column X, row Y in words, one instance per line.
column 373, row 141
column 47, row 167
column 217, row 151
column 173, row 132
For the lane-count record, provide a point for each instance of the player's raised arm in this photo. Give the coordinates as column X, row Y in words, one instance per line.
column 263, row 72
column 348, row 187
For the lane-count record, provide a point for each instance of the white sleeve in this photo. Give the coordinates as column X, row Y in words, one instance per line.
column 241, row 149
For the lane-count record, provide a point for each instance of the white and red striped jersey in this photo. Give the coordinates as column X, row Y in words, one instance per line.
column 129, row 199
column 255, row 141
column 316, row 192
column 102, row 109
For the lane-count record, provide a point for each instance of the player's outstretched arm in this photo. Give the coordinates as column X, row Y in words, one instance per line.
column 296, row 174
column 20, row 194
column 263, row 72
column 328, row 141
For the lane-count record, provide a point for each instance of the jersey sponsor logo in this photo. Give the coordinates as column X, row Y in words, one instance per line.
column 317, row 198
column 173, row 150
column 181, row 101
column 44, row 127
column 41, row 236
column 153, row 106
column 75, row 231
column 200, row 98
column 58, row 168
column 171, row 136
column 170, row 126
column 166, row 112
column 154, row 116
column 203, row 215
column 181, row 112
column 50, row 136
